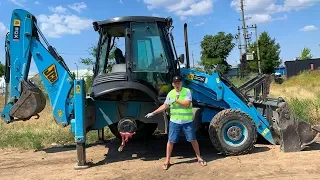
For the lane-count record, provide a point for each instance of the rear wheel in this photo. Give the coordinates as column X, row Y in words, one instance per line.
column 232, row 132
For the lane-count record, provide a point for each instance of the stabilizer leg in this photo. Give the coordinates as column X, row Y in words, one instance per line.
column 79, row 124
column 81, row 156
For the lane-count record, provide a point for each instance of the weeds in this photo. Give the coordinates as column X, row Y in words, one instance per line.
column 40, row 133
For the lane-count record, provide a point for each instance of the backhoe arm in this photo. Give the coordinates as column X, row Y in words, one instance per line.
column 25, row 99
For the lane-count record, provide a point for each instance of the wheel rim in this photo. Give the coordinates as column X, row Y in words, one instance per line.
column 235, row 133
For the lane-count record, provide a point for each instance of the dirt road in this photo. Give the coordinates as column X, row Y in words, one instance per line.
column 140, row 162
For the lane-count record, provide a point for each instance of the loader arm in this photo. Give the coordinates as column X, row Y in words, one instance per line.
column 25, row 99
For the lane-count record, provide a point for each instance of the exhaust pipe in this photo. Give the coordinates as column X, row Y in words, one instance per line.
column 186, row 45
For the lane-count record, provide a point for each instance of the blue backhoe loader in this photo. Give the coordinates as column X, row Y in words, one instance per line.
column 122, row 93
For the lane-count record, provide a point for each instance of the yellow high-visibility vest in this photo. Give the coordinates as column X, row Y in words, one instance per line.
column 177, row 111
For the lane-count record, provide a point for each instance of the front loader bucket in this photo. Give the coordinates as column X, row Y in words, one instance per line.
column 31, row 102
column 295, row 134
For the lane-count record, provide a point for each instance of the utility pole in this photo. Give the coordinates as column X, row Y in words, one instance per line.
column 238, row 36
column 77, row 69
column 239, row 46
column 258, row 51
column 243, row 26
column 192, row 59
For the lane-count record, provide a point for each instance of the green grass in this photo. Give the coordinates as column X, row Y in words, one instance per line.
column 302, row 92
column 238, row 81
column 305, row 109
column 41, row 133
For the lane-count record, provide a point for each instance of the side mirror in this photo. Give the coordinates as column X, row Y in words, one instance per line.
column 181, row 58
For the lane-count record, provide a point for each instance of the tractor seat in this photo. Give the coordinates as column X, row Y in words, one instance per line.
column 118, row 68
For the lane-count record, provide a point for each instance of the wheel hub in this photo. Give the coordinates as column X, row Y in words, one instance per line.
column 234, row 133
column 127, row 126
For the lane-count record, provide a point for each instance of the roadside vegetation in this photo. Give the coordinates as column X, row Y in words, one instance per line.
column 40, row 133
column 303, row 94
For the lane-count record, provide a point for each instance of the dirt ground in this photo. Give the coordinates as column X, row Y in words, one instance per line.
column 138, row 161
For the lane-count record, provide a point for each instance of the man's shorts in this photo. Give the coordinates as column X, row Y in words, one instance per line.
column 175, row 129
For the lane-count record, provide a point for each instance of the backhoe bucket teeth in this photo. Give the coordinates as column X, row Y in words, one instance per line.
column 31, row 102
column 295, row 134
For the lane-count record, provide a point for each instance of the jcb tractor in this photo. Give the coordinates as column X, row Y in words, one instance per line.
column 137, row 84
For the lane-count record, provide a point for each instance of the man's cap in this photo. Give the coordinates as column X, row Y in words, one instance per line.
column 176, row 78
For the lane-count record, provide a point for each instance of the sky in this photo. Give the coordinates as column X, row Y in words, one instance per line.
column 67, row 24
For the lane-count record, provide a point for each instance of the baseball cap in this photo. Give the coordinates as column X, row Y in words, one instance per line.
column 176, row 78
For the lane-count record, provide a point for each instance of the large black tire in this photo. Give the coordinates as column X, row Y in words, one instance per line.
column 219, row 126
column 144, row 129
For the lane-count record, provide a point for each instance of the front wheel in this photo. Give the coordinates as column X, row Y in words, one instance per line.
column 232, row 132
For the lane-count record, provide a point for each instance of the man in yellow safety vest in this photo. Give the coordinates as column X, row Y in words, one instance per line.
column 180, row 101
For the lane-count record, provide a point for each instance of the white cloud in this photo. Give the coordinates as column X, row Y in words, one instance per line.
column 263, row 11
column 18, row 2
column 36, row 2
column 299, row 4
column 58, row 9
column 3, row 29
column 56, row 25
column 309, row 28
column 254, row 6
column 201, row 8
column 120, row 1
column 263, row 18
column 78, row 6
column 182, row 8
column 182, row 18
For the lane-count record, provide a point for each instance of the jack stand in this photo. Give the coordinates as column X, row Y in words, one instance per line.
column 101, row 137
column 125, row 138
column 81, row 154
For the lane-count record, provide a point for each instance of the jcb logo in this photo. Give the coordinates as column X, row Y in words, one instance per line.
column 190, row 76
column 51, row 74
column 16, row 22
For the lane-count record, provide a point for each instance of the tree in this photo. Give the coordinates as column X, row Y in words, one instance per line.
column 91, row 62
column 305, row 54
column 215, row 50
column 2, row 69
column 269, row 54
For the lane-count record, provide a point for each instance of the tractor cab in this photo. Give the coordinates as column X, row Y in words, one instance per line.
column 134, row 53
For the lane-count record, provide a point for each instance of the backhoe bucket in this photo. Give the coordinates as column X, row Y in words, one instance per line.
column 31, row 102
column 295, row 134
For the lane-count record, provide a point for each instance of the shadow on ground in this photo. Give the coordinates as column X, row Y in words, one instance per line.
column 153, row 149
column 313, row 147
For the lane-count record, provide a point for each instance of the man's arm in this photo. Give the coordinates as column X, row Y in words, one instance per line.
column 160, row 109
column 186, row 103
column 163, row 107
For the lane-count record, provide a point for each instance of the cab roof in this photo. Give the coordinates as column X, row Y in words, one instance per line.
column 126, row 19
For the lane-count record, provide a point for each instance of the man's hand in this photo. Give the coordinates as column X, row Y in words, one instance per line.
column 149, row 115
